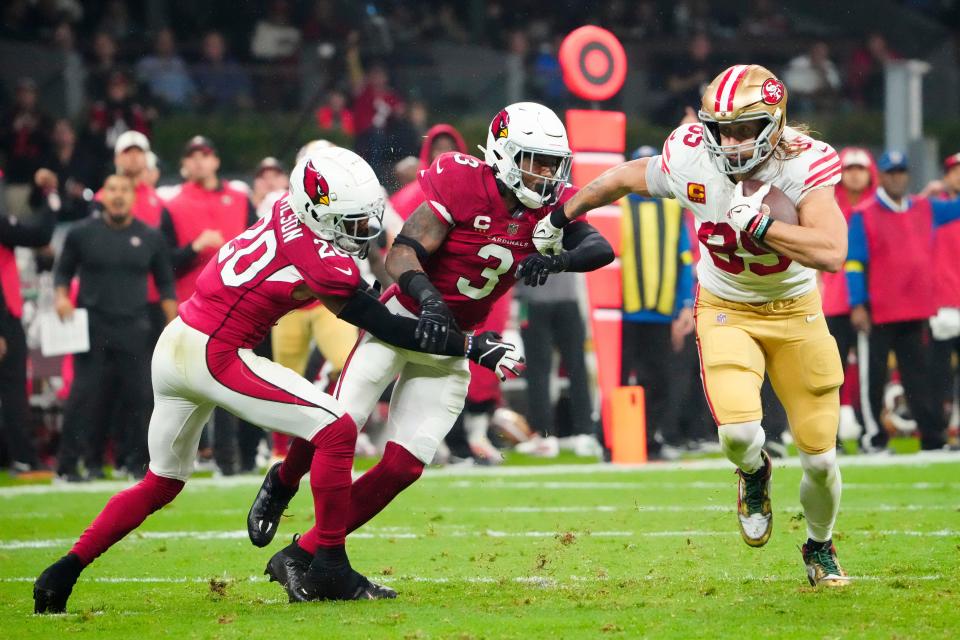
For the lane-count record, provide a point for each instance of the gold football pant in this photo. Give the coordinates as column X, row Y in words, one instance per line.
column 789, row 340
column 333, row 337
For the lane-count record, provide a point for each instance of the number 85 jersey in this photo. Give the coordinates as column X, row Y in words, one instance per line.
column 477, row 262
column 736, row 268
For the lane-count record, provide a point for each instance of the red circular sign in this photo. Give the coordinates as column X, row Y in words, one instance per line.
column 594, row 63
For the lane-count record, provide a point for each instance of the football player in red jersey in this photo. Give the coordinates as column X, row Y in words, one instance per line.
column 459, row 251
column 302, row 250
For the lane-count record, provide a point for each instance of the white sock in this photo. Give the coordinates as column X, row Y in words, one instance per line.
column 742, row 443
column 820, row 491
column 476, row 426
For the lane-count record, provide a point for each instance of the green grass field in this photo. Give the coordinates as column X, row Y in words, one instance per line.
column 516, row 552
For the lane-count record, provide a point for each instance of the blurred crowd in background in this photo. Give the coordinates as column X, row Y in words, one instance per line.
column 348, row 72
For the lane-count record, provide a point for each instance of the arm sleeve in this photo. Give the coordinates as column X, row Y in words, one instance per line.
column 658, row 186
column 181, row 258
column 945, row 211
column 366, row 312
column 162, row 271
column 684, row 294
column 66, row 266
column 857, row 260
column 34, row 231
column 585, row 249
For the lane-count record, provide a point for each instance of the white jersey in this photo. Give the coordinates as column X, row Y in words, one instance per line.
column 735, row 268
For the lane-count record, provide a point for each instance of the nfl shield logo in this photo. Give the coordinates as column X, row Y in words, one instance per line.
column 512, row 228
column 721, row 318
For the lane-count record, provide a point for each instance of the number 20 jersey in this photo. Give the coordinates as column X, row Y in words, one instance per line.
column 731, row 265
column 477, row 262
column 248, row 284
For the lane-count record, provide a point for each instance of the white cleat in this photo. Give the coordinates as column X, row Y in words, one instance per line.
column 540, row 447
column 754, row 512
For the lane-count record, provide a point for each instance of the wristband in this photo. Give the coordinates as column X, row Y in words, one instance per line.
column 759, row 226
column 417, row 285
column 559, row 219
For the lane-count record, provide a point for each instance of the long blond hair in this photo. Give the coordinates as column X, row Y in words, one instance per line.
column 788, row 149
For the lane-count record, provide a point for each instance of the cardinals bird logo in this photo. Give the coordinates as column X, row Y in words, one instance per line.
column 499, row 125
column 315, row 185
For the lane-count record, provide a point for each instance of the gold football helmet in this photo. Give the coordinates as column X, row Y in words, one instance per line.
column 743, row 93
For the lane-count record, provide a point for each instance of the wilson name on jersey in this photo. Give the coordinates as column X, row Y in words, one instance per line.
column 736, row 268
column 477, row 262
column 248, row 285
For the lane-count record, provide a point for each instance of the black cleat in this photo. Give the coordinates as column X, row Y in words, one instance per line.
column 330, row 577
column 288, row 567
column 55, row 584
column 268, row 507
column 367, row 590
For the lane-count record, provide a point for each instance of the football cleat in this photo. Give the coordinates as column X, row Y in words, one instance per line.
column 351, row 586
column 55, row 584
column 268, row 507
column 753, row 504
column 288, row 567
column 822, row 566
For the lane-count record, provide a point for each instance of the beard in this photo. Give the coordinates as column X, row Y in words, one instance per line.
column 118, row 218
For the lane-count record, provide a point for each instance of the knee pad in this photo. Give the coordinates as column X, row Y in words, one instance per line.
column 740, row 436
column 819, row 466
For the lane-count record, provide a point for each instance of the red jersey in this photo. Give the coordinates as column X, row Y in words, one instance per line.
column 248, row 285
column 477, row 262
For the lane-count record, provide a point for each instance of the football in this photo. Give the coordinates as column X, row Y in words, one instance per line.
column 776, row 204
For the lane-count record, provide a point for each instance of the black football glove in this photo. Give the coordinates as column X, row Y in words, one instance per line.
column 490, row 351
column 535, row 268
column 433, row 327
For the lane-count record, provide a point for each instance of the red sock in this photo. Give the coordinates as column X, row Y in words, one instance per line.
column 281, row 443
column 330, row 479
column 297, row 463
column 374, row 490
column 124, row 513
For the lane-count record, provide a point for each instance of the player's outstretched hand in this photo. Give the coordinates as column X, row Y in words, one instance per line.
column 433, row 327
column 535, row 268
column 489, row 350
column 547, row 238
column 743, row 209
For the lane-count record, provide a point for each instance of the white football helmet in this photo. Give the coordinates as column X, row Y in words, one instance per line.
column 520, row 134
column 333, row 191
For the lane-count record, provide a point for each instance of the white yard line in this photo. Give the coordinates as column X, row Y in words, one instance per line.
column 543, row 581
column 640, row 508
column 922, row 459
column 457, row 532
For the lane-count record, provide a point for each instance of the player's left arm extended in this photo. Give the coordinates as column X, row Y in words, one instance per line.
column 365, row 311
column 584, row 250
column 820, row 240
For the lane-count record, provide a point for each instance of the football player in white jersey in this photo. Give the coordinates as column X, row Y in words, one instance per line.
column 758, row 309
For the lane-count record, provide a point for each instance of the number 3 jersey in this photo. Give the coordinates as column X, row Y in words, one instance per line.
column 477, row 262
column 248, row 285
column 736, row 268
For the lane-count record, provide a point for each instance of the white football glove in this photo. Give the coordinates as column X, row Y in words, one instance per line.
column 743, row 208
column 490, row 351
column 946, row 324
column 547, row 238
